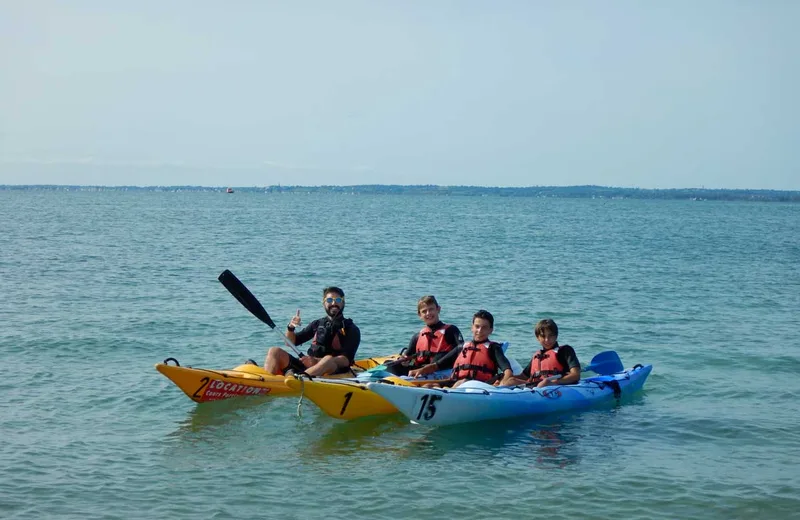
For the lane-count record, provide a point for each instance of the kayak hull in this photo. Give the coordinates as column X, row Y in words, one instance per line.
column 202, row 384
column 348, row 399
column 341, row 399
column 474, row 401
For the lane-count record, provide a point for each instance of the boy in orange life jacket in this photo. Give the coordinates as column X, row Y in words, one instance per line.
column 479, row 359
column 430, row 344
column 553, row 365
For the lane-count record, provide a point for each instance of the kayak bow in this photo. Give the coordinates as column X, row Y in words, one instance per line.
column 348, row 399
column 203, row 384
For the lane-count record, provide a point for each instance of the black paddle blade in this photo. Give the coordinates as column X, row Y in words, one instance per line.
column 245, row 297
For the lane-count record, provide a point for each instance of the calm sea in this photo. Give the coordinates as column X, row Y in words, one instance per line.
column 97, row 287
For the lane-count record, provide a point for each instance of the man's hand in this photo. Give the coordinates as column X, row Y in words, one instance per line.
column 309, row 361
column 424, row 371
column 548, row 381
column 402, row 360
column 295, row 321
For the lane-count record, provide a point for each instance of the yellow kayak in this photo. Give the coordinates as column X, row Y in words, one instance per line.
column 348, row 399
column 203, row 384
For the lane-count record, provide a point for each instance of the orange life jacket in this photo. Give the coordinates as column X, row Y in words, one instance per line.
column 429, row 343
column 335, row 346
column 544, row 364
column 475, row 362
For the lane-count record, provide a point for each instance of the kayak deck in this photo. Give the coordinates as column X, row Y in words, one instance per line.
column 203, row 384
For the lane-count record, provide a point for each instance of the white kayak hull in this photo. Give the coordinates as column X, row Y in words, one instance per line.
column 475, row 401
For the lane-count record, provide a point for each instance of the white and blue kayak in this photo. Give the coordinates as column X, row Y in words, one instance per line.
column 476, row 401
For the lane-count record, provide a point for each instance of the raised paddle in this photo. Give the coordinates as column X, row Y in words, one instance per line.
column 605, row 363
column 246, row 298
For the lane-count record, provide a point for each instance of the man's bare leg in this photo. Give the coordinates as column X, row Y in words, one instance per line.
column 276, row 361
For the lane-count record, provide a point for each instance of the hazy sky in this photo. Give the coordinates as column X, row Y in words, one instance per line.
column 497, row 93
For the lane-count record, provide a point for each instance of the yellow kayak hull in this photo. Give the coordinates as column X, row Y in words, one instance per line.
column 202, row 384
column 347, row 399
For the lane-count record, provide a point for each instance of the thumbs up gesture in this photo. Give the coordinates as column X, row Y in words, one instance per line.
column 295, row 322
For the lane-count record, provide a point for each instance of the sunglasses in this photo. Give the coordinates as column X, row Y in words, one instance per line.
column 334, row 300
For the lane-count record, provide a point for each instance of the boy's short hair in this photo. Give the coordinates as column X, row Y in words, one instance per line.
column 425, row 301
column 546, row 325
column 486, row 315
column 332, row 289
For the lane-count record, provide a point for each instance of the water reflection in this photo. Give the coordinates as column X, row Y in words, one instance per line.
column 216, row 414
column 552, row 446
column 269, row 429
column 361, row 435
column 551, row 441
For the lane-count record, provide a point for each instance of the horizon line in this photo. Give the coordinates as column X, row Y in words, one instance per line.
column 328, row 186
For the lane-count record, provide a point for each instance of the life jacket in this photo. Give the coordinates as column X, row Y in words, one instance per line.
column 429, row 343
column 544, row 364
column 475, row 362
column 322, row 339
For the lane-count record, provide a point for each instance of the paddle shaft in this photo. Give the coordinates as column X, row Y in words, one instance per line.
column 289, row 343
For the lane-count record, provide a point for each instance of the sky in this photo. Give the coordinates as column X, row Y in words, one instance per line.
column 662, row 94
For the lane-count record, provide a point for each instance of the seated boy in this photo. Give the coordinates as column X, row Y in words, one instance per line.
column 554, row 364
column 479, row 359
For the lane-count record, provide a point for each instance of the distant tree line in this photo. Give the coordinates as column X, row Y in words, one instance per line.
column 585, row 192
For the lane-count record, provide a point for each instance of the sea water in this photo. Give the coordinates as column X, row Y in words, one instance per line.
column 98, row 286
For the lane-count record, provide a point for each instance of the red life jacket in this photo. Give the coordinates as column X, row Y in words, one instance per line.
column 429, row 343
column 336, row 346
column 544, row 364
column 334, row 349
column 475, row 362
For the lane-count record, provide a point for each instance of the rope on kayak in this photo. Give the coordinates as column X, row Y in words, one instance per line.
column 302, row 393
column 613, row 385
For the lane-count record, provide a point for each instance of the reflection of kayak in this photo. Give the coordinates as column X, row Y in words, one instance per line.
column 202, row 384
column 475, row 401
column 348, row 399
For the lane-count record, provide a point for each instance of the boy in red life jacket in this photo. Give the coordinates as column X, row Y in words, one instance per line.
column 430, row 344
column 479, row 359
column 554, row 364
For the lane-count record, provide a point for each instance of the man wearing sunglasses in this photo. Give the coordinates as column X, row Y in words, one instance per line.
column 334, row 341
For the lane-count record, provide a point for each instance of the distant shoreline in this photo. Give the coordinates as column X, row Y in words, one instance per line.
column 581, row 192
